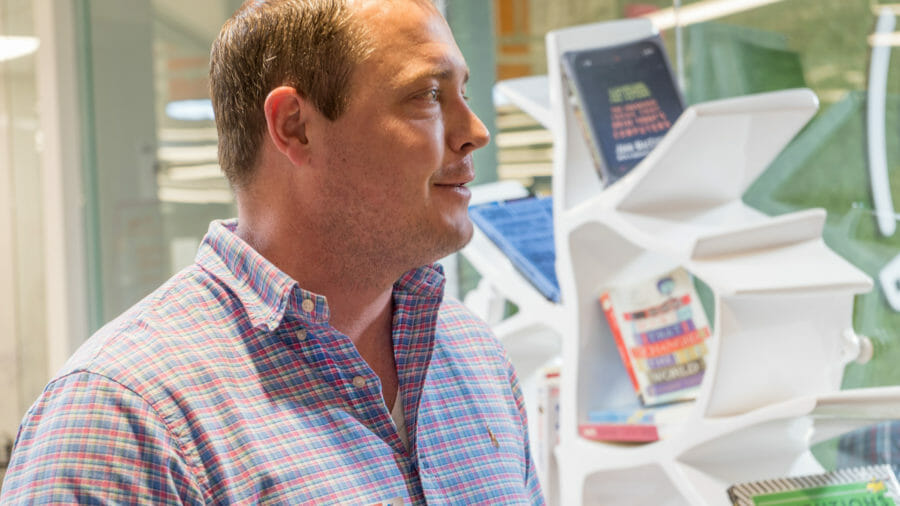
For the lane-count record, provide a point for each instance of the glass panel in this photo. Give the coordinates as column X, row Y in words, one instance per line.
column 21, row 219
column 825, row 45
column 153, row 175
column 191, row 186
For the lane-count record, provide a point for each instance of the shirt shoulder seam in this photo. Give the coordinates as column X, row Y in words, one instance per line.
column 189, row 458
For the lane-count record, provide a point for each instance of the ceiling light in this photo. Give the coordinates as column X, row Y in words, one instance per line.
column 702, row 11
column 12, row 47
column 190, row 110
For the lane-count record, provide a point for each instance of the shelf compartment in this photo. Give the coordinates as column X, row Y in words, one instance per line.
column 647, row 484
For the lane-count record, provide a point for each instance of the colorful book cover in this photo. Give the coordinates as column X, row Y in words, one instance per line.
column 636, row 424
column 871, row 485
column 523, row 230
column 629, row 424
column 619, row 432
column 660, row 329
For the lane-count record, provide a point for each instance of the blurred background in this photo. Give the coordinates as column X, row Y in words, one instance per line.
column 109, row 179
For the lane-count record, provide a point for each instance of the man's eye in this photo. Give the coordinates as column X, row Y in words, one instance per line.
column 432, row 94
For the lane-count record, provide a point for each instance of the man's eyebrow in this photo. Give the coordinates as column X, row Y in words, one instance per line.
column 441, row 73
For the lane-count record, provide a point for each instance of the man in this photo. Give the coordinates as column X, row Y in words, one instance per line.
column 307, row 356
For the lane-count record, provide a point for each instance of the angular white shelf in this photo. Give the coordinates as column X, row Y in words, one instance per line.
column 783, row 300
column 532, row 95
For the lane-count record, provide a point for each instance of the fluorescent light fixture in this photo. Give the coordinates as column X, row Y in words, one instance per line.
column 185, row 135
column 184, row 155
column 196, row 196
column 702, row 11
column 194, row 172
column 879, row 8
column 190, row 110
column 884, row 39
column 887, row 37
column 12, row 47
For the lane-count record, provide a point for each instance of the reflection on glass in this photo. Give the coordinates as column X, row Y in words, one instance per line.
column 12, row 47
column 22, row 321
column 191, row 186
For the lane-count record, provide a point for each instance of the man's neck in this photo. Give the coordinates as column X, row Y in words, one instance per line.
column 359, row 299
column 360, row 303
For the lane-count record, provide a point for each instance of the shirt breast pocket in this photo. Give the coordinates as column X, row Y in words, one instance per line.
column 477, row 450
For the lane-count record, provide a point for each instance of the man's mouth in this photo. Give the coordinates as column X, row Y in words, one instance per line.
column 458, row 175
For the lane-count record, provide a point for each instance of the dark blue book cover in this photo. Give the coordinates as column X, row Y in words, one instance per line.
column 523, row 230
column 625, row 100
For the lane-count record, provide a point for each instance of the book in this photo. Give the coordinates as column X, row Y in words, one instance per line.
column 547, row 424
column 633, row 424
column 619, row 432
column 659, row 327
column 624, row 99
column 630, row 424
column 875, row 485
column 523, row 230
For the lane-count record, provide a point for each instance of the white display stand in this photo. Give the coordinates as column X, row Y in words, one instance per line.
column 783, row 301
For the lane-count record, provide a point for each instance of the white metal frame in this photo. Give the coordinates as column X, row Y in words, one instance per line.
column 64, row 237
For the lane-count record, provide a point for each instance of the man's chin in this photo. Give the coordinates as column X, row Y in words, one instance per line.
column 467, row 236
column 464, row 232
column 454, row 241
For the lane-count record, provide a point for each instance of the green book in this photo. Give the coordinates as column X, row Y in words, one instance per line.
column 862, row 486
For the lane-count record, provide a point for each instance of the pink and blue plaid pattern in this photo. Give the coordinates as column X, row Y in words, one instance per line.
column 228, row 386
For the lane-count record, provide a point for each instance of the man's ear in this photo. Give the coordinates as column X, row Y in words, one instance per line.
column 286, row 119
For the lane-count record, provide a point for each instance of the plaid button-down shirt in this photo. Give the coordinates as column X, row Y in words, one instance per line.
column 228, row 385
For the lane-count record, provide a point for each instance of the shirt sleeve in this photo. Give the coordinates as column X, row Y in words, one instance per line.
column 90, row 440
column 532, row 485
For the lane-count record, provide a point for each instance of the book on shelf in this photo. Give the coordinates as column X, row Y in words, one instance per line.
column 624, row 99
column 660, row 330
column 634, row 424
column 621, row 425
column 869, row 485
column 547, row 423
column 523, row 230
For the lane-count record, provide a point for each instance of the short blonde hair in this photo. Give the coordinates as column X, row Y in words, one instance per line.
column 310, row 45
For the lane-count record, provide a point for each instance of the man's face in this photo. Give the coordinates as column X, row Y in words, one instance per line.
column 392, row 170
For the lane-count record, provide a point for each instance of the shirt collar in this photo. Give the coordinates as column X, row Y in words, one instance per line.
column 267, row 293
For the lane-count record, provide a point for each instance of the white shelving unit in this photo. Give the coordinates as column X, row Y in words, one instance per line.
column 783, row 301
column 782, row 328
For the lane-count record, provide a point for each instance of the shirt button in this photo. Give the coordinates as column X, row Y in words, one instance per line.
column 308, row 305
column 359, row 381
column 301, row 334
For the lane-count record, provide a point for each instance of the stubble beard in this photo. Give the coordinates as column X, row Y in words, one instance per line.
column 378, row 255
